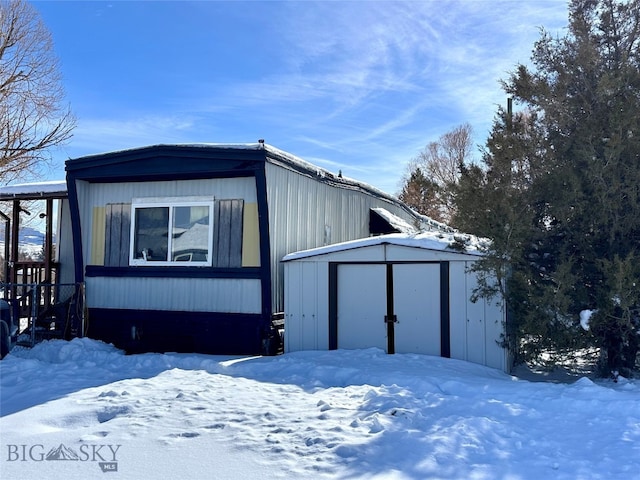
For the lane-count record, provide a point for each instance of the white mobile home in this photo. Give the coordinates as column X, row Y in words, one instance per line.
column 400, row 293
column 179, row 246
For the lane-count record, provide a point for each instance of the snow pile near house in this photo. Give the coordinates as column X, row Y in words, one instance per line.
column 316, row 415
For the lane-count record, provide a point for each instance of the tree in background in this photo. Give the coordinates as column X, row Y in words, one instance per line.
column 419, row 193
column 32, row 117
column 429, row 186
column 569, row 221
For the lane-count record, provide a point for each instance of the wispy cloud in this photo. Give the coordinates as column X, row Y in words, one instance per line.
column 96, row 135
column 343, row 59
column 358, row 86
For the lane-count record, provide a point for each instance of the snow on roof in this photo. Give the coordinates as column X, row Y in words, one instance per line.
column 36, row 189
column 321, row 172
column 396, row 222
column 287, row 159
column 426, row 223
column 442, row 241
column 237, row 146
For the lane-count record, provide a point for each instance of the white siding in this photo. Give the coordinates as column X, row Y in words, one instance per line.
column 395, row 253
column 64, row 244
column 306, row 213
column 475, row 331
column 175, row 294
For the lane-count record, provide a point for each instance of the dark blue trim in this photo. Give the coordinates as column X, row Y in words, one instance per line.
column 76, row 229
column 333, row 306
column 172, row 272
column 183, row 162
column 390, row 314
column 445, row 311
column 265, row 244
column 137, row 331
column 166, row 161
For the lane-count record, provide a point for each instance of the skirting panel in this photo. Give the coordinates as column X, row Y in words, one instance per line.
column 137, row 331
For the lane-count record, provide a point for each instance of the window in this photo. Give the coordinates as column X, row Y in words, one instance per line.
column 171, row 232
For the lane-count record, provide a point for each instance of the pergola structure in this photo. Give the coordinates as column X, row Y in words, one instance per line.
column 31, row 289
column 17, row 271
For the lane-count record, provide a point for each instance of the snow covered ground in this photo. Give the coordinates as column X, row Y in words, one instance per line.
column 97, row 413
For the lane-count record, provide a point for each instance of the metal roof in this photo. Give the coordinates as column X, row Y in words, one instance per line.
column 34, row 191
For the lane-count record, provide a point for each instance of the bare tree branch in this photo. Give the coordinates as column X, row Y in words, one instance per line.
column 429, row 183
column 33, row 118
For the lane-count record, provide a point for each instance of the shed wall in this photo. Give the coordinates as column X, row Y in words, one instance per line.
column 306, row 312
column 475, row 328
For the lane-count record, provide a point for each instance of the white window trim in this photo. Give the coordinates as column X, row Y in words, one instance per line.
column 171, row 203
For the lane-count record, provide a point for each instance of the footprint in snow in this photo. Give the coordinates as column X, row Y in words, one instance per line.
column 109, row 414
column 215, row 426
column 313, row 441
column 110, row 393
column 185, row 435
column 346, row 451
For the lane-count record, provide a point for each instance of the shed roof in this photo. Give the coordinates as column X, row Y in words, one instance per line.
column 441, row 241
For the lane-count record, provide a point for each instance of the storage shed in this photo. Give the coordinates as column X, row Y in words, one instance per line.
column 400, row 293
column 179, row 246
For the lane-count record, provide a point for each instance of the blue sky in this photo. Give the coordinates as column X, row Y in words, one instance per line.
column 360, row 87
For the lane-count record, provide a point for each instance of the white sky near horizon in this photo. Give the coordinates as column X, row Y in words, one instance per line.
column 358, row 86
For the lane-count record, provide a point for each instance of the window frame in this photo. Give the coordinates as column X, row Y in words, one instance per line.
column 171, row 203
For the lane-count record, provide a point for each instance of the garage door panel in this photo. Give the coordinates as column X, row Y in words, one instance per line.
column 416, row 292
column 361, row 310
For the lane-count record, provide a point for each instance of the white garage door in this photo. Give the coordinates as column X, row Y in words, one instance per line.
column 362, row 305
column 416, row 295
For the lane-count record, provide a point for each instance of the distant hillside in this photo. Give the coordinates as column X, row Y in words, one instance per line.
column 28, row 236
column 30, row 242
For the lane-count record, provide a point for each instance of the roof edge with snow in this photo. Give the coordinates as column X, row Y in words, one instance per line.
column 438, row 241
column 34, row 191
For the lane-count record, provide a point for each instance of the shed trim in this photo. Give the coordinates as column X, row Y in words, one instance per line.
column 445, row 311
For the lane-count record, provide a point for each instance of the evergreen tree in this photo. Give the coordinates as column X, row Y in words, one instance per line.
column 569, row 218
column 420, row 193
